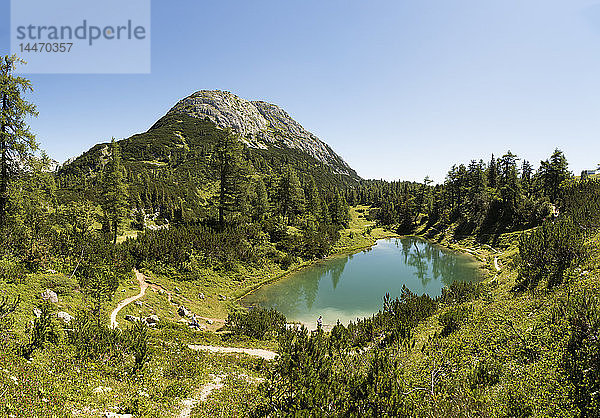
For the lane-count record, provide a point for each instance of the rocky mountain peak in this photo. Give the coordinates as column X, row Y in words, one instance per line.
column 260, row 124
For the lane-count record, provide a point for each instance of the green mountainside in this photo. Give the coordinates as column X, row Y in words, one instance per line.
column 173, row 161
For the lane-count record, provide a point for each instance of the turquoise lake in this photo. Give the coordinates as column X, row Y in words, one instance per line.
column 350, row 286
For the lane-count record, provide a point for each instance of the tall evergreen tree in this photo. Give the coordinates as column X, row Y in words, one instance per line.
column 291, row 196
column 492, row 173
column 16, row 140
column 552, row 173
column 510, row 189
column 314, row 205
column 526, row 177
column 228, row 161
column 261, row 200
column 114, row 193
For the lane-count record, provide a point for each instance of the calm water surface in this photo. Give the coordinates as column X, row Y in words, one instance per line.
column 351, row 286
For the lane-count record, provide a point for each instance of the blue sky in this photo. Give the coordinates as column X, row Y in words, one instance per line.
column 400, row 89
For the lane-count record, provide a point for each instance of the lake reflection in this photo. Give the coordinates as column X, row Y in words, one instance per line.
column 351, row 286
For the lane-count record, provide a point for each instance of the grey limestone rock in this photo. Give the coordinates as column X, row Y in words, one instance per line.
column 260, row 124
column 50, row 296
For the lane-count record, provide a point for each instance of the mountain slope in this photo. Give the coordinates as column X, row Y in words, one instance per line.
column 261, row 125
column 173, row 161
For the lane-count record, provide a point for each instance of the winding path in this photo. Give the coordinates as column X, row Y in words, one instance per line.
column 256, row 352
column 143, row 286
column 496, row 264
column 204, row 393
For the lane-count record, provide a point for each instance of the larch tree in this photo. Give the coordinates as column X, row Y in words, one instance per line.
column 16, row 140
column 114, row 193
column 552, row 173
column 229, row 171
column 291, row 195
column 261, row 202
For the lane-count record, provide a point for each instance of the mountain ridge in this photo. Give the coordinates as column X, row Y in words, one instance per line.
column 260, row 124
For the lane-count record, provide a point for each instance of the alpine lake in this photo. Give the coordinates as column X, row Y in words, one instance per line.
column 351, row 286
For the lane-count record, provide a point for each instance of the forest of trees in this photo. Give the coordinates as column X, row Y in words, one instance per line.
column 481, row 198
column 358, row 369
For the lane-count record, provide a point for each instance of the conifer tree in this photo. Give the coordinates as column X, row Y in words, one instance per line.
column 510, row 189
column 228, row 160
column 313, row 199
column 492, row 173
column 552, row 173
column 261, row 202
column 16, row 140
column 114, row 193
column 291, row 196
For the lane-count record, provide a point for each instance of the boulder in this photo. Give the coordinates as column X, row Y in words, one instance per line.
column 222, row 297
column 131, row 318
column 102, row 389
column 49, row 296
column 138, row 303
column 210, row 321
column 177, row 290
column 65, row 317
column 152, row 319
column 183, row 312
column 115, row 415
column 37, row 312
column 201, row 296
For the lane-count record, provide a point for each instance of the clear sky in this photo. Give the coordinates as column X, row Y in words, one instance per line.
column 400, row 89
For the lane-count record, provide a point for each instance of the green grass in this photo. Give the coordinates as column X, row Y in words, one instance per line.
column 56, row 383
column 361, row 233
column 500, row 327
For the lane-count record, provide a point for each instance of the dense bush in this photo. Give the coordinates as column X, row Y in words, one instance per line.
column 460, row 292
column 319, row 374
column 581, row 359
column 452, row 319
column 92, row 338
column 41, row 331
column 547, row 252
column 136, row 340
column 11, row 271
column 256, row 323
column 485, row 372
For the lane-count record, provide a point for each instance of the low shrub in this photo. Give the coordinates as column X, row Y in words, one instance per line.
column 11, row 271
column 43, row 330
column 452, row 319
column 460, row 292
column 485, row 372
column 257, row 323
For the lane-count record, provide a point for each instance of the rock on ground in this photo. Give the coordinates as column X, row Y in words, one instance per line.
column 50, row 296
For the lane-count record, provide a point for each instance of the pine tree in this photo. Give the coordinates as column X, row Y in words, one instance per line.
column 526, row 173
column 492, row 173
column 510, row 188
column 16, row 140
column 228, row 160
column 314, row 204
column 291, row 196
column 261, row 202
column 114, row 193
column 552, row 173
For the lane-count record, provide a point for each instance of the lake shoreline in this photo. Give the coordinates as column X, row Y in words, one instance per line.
column 307, row 264
column 476, row 269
